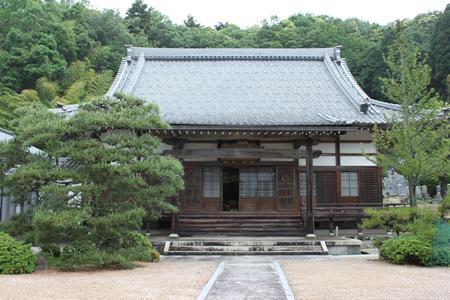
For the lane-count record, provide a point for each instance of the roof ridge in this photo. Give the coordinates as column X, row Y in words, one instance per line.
column 333, row 70
column 232, row 53
column 349, row 76
column 134, row 75
column 383, row 104
column 120, row 76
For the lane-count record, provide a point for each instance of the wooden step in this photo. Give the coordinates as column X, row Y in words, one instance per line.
column 236, row 224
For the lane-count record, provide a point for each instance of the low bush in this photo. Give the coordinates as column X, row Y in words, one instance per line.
column 407, row 249
column 85, row 255
column 444, row 208
column 15, row 257
column 19, row 226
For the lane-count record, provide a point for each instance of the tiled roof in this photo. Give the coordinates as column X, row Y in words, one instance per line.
column 248, row 87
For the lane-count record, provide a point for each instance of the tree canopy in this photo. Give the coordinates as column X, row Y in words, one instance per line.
column 68, row 52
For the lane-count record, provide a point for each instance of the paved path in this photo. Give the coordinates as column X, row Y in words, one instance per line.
column 247, row 278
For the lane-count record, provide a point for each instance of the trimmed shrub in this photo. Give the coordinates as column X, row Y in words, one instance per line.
column 418, row 221
column 15, row 257
column 407, row 249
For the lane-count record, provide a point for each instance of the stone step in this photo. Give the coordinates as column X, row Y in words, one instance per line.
column 243, row 247
column 249, row 248
column 243, row 253
column 246, row 243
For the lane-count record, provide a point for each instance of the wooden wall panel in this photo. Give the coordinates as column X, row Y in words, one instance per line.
column 190, row 197
column 370, row 185
column 326, row 187
column 286, row 188
column 211, row 204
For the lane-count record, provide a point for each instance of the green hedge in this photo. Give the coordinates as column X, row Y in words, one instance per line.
column 15, row 257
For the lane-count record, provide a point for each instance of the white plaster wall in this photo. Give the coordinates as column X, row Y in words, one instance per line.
column 326, row 147
column 323, row 161
column 277, row 145
column 355, row 161
column 357, row 148
column 363, row 135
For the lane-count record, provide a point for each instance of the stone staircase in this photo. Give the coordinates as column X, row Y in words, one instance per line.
column 240, row 224
column 245, row 247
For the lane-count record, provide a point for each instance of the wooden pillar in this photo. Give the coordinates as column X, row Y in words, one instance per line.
column 177, row 145
column 309, row 189
column 338, row 151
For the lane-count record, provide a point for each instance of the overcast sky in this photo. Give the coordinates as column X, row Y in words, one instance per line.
column 251, row 12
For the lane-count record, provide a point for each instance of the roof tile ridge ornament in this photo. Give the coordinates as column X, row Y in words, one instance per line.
column 337, row 53
column 134, row 76
column 122, row 73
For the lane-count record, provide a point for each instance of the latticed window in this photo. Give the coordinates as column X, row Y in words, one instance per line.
column 212, row 182
column 349, row 184
column 302, row 178
column 257, row 182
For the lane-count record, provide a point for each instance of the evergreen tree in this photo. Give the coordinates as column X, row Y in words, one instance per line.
column 100, row 172
column 416, row 144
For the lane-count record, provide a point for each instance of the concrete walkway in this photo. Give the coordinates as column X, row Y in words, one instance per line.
column 247, row 278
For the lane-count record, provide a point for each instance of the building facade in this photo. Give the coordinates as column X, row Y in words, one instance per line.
column 265, row 135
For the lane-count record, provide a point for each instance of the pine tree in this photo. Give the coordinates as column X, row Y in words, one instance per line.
column 100, row 172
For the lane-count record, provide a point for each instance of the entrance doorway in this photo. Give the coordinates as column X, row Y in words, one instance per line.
column 230, row 189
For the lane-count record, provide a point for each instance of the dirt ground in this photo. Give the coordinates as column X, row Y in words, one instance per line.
column 164, row 280
column 365, row 278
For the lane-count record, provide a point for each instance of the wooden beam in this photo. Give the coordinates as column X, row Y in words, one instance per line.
column 240, row 153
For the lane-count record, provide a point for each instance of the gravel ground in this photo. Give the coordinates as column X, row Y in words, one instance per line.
column 164, row 280
column 364, row 278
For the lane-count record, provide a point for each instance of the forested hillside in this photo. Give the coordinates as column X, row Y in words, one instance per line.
column 61, row 52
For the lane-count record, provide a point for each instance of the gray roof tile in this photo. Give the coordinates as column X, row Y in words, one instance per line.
column 261, row 87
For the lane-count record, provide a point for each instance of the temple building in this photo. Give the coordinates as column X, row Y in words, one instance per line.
column 266, row 136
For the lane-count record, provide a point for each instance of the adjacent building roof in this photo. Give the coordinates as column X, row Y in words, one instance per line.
column 6, row 135
column 248, row 87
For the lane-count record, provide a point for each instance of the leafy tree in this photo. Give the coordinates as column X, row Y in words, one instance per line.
column 145, row 21
column 99, row 174
column 10, row 101
column 416, row 144
column 46, row 90
column 440, row 54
